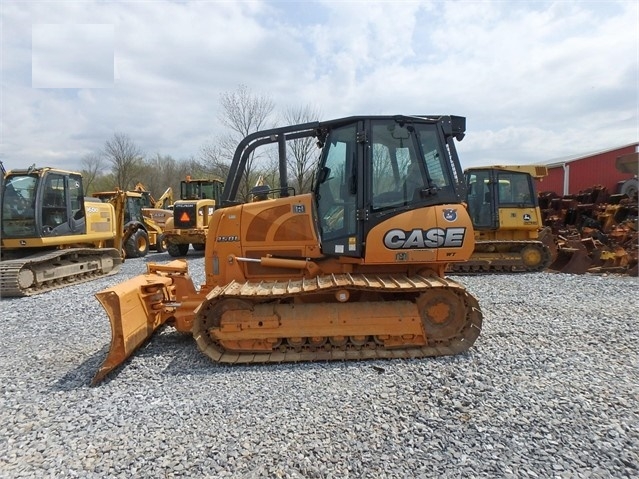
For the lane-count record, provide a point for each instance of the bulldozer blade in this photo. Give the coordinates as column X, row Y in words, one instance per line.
column 136, row 308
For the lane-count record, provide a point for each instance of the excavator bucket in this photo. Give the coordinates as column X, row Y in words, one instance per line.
column 547, row 238
column 571, row 261
column 136, row 308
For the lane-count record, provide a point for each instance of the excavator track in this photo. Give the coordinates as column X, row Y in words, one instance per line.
column 505, row 257
column 46, row 271
column 391, row 316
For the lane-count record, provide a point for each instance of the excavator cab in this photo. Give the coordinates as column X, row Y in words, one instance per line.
column 42, row 203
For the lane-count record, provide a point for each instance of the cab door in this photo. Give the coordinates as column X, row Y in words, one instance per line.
column 339, row 191
column 481, row 190
column 62, row 205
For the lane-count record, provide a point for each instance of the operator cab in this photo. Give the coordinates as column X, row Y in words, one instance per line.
column 491, row 189
column 39, row 203
column 370, row 169
column 378, row 167
column 200, row 189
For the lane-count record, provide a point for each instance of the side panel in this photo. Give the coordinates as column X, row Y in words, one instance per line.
column 436, row 234
column 520, row 218
column 281, row 228
column 157, row 215
column 100, row 221
column 280, row 225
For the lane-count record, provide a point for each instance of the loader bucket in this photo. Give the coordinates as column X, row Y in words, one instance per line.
column 136, row 308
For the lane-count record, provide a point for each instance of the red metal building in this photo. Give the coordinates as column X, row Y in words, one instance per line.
column 576, row 173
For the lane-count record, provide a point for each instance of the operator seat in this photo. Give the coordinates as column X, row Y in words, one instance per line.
column 414, row 182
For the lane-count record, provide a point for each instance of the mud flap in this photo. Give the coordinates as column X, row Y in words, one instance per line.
column 136, row 308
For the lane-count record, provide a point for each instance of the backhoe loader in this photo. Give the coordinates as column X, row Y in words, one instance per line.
column 163, row 202
column 504, row 209
column 353, row 270
column 143, row 234
column 158, row 211
column 52, row 236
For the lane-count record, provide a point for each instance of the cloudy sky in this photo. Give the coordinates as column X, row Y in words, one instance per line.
column 536, row 80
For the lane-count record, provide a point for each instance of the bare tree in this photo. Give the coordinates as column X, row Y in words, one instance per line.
column 102, row 183
column 125, row 158
column 243, row 113
column 302, row 152
column 213, row 160
column 158, row 173
column 92, row 166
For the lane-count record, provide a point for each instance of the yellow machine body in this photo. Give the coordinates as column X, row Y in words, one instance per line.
column 503, row 205
column 52, row 235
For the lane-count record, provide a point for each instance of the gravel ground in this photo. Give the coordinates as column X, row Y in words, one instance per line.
column 551, row 389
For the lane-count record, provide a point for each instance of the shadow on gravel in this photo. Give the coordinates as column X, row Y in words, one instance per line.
column 162, row 344
column 187, row 359
column 172, row 354
column 81, row 376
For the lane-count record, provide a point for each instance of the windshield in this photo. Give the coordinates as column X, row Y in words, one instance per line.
column 18, row 214
column 400, row 174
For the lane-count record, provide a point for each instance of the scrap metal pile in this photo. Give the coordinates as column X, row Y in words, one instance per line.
column 594, row 231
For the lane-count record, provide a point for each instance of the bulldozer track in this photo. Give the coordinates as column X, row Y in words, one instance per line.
column 394, row 291
column 507, row 258
column 42, row 272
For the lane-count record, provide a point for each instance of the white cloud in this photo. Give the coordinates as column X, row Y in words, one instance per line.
column 536, row 80
column 72, row 56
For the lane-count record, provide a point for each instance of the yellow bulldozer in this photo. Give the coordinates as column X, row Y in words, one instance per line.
column 52, row 236
column 353, row 270
column 503, row 206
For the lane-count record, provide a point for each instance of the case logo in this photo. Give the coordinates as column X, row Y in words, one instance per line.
column 450, row 214
column 430, row 238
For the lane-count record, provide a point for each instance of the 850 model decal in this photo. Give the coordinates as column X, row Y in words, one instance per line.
column 431, row 238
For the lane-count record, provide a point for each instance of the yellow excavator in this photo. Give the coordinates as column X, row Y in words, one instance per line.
column 353, row 270
column 52, row 236
column 504, row 208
